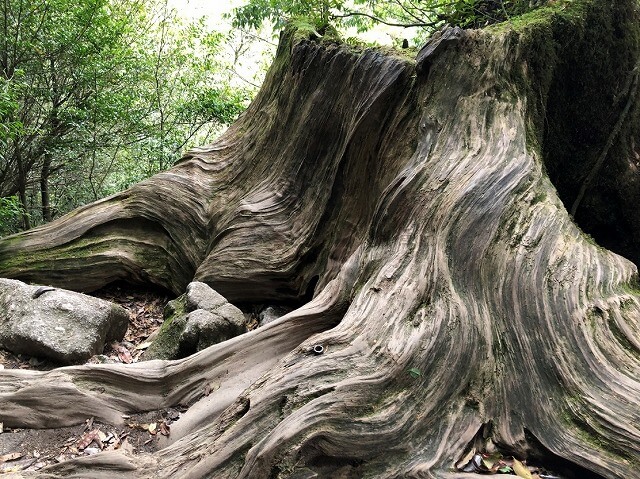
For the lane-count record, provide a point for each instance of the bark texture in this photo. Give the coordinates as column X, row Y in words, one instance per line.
column 410, row 205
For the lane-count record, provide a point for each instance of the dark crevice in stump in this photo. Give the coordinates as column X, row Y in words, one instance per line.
column 587, row 95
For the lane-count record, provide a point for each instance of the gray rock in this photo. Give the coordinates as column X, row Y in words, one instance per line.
column 204, row 328
column 271, row 313
column 234, row 316
column 62, row 325
column 201, row 296
column 194, row 321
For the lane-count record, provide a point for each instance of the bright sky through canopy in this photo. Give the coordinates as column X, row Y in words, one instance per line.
column 198, row 8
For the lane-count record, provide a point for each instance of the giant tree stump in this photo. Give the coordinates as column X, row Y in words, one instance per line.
column 407, row 206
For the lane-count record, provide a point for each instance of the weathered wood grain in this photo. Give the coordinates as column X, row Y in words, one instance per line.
column 423, row 206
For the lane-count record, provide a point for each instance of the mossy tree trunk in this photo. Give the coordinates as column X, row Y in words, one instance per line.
column 410, row 205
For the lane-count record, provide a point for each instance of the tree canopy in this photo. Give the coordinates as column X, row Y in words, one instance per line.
column 364, row 14
column 98, row 94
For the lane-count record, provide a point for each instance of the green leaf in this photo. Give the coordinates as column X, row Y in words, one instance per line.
column 415, row 372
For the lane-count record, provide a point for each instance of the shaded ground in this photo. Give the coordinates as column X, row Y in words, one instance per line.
column 33, row 449
column 145, row 309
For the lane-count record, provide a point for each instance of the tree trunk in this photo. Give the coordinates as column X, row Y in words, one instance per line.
column 22, row 191
column 45, row 172
column 453, row 294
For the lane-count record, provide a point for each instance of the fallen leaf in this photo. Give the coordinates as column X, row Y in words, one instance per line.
column 490, row 461
column 144, row 345
column 126, row 446
column 123, row 353
column 152, row 428
column 88, row 424
column 114, row 443
column 521, row 470
column 89, row 437
column 474, row 464
column 69, row 441
column 164, row 428
column 464, row 460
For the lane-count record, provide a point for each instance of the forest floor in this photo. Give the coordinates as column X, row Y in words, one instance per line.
column 33, row 449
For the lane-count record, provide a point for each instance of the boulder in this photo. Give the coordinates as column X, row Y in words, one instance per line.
column 58, row 324
column 202, row 296
column 271, row 313
column 194, row 321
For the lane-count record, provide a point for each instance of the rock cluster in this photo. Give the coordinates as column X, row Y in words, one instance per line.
column 194, row 321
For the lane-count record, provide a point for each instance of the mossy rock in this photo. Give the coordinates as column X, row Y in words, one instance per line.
column 194, row 321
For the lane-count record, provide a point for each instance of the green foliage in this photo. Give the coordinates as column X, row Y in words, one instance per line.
column 365, row 14
column 98, row 94
column 281, row 12
column 10, row 214
column 213, row 105
column 479, row 13
column 9, row 124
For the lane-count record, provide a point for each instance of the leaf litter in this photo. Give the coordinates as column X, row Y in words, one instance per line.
column 32, row 450
column 145, row 308
column 487, row 463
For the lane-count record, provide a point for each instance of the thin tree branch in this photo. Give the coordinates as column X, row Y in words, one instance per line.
column 384, row 22
column 233, row 70
column 612, row 136
column 257, row 37
column 407, row 11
